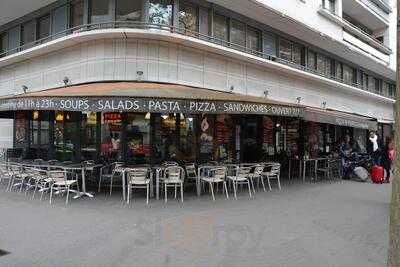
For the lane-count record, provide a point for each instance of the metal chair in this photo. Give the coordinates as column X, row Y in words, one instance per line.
column 217, row 175
column 240, row 177
column 18, row 177
column 174, row 176
column 61, row 183
column 273, row 173
column 6, row 174
column 108, row 172
column 138, row 178
column 257, row 175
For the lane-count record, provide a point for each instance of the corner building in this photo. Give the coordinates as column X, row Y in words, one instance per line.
column 144, row 81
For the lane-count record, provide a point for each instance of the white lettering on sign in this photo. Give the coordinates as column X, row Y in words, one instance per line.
column 202, row 106
column 118, row 105
column 74, row 104
column 156, row 105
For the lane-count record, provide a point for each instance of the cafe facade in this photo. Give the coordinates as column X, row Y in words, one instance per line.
column 150, row 81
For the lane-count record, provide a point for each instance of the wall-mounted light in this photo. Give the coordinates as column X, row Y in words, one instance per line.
column 190, row 119
column 232, row 88
column 324, row 104
column 266, row 93
column 66, row 80
column 24, row 88
column 164, row 116
column 147, row 117
column 139, row 74
column 298, row 99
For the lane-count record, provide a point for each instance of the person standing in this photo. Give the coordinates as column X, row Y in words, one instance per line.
column 374, row 148
column 345, row 151
column 388, row 155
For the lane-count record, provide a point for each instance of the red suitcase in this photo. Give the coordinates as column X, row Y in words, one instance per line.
column 377, row 174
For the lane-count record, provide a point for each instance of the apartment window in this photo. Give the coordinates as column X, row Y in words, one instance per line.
column 253, row 39
column 43, row 27
column 76, row 13
column 14, row 38
column 379, row 39
column 377, row 86
column 312, row 62
column 238, row 33
column 188, row 17
column 269, row 44
column 204, row 21
column 348, row 73
column 160, row 12
column 100, row 11
column 392, row 90
column 330, row 67
column 298, row 54
column 220, row 27
column 3, row 44
column 128, row 10
column 332, row 5
column 365, row 81
column 321, row 63
column 28, row 32
column 339, row 70
column 59, row 20
column 285, row 49
column 371, row 83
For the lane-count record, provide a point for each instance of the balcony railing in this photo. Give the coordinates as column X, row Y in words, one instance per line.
column 185, row 32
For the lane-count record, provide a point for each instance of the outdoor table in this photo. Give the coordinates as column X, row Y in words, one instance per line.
column 310, row 160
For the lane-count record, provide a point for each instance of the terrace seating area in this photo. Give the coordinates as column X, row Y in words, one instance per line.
column 69, row 180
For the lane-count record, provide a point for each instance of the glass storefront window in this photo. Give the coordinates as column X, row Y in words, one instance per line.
column 111, row 128
column 44, row 27
column 76, row 13
column 187, row 139
column 128, row 10
column 253, row 39
column 65, row 136
column 160, row 12
column 89, row 135
column 224, row 137
column 285, row 49
column 238, row 33
column 100, row 11
column 220, row 27
column 138, row 138
column 165, row 137
column 188, row 18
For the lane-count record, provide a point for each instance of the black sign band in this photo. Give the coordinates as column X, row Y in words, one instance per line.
column 109, row 104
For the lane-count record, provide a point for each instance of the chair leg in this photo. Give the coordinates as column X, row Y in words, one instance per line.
column 128, row 200
column 66, row 201
column 269, row 184
column 34, row 190
column 226, row 190
column 175, row 190
column 235, row 189
column 165, row 193
column 279, row 183
column 249, row 185
column 212, row 191
column 111, row 184
column 98, row 190
column 51, row 193
column 182, row 192
column 262, row 182
column 147, row 194
column 252, row 184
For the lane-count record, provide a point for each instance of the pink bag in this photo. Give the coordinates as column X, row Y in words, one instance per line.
column 391, row 154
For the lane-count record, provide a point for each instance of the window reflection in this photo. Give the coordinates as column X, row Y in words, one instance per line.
column 160, row 12
column 188, row 18
column 65, row 135
column 89, row 135
column 238, row 33
column 111, row 126
column 100, row 11
column 138, row 138
column 76, row 13
column 220, row 27
column 253, row 39
column 128, row 10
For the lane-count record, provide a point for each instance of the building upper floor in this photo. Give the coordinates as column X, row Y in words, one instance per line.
column 309, row 40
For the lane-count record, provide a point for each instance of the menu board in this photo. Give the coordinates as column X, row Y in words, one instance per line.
column 206, row 146
column 224, row 132
column 268, row 130
column 20, row 129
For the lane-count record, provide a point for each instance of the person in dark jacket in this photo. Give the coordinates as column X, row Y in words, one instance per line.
column 374, row 147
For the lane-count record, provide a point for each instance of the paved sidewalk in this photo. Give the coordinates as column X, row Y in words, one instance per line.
column 339, row 224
